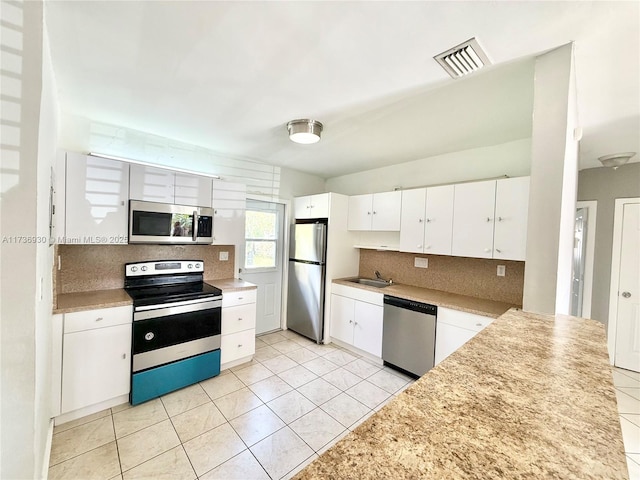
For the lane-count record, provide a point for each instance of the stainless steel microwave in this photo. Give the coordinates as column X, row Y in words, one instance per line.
column 152, row 222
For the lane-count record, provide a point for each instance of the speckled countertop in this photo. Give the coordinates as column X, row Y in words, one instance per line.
column 531, row 396
column 479, row 306
column 79, row 301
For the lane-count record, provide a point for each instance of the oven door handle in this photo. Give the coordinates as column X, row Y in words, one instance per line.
column 166, row 310
column 195, row 225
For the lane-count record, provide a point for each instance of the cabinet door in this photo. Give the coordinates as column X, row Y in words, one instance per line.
column 412, row 220
column 151, row 184
column 512, row 207
column 229, row 201
column 192, row 190
column 450, row 338
column 386, row 211
column 360, row 208
column 95, row 366
column 238, row 318
column 367, row 330
column 302, row 207
column 97, row 192
column 342, row 309
column 439, row 220
column 473, row 210
column 319, row 205
column 237, row 345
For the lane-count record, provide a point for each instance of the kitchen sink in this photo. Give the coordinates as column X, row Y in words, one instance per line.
column 370, row 282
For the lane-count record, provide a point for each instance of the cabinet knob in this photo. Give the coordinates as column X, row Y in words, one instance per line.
column 487, row 250
column 239, row 319
column 374, row 212
column 239, row 345
column 428, row 220
column 478, row 324
column 99, row 319
column 419, row 220
column 124, row 356
column 488, row 219
column 308, row 206
column 122, row 203
column 350, row 321
column 240, row 298
column 499, row 219
column 419, row 246
column 368, row 213
column 355, row 323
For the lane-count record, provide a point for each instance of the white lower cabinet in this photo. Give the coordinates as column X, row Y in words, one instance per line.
column 455, row 328
column 238, row 327
column 96, row 363
column 356, row 318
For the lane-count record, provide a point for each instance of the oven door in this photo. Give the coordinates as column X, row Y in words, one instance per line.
column 152, row 222
column 165, row 333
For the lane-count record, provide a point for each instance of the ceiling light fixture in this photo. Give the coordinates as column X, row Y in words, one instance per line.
column 304, row 131
column 616, row 159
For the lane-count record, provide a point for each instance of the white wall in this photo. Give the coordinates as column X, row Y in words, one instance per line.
column 27, row 88
column 552, row 197
column 512, row 159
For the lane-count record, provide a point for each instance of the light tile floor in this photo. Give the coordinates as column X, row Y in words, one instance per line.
column 627, row 385
column 266, row 419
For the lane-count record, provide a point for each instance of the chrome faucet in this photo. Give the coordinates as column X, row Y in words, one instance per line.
column 379, row 277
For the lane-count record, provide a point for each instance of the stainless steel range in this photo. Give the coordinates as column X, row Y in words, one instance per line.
column 176, row 326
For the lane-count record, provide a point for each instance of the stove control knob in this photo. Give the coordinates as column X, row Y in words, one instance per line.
column 144, row 269
column 197, row 265
column 134, row 269
column 190, row 266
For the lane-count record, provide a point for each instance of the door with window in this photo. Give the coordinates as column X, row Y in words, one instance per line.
column 263, row 260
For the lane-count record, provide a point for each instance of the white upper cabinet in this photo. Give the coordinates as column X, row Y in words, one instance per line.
column 473, row 210
column 427, row 220
column 192, row 190
column 229, row 201
column 439, row 220
column 151, row 184
column 412, row 220
column 311, row 206
column 377, row 212
column 154, row 184
column 97, row 190
column 512, row 206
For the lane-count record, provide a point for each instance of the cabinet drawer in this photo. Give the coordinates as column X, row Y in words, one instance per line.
column 357, row 293
column 238, row 318
column 238, row 298
column 103, row 317
column 460, row 319
column 237, row 345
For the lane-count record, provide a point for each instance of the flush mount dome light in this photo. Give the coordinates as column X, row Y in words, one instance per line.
column 304, row 131
column 616, row 159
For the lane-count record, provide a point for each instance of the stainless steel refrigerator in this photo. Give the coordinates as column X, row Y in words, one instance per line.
column 307, row 270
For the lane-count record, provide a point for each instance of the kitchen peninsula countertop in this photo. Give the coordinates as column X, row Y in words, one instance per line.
column 531, row 396
column 117, row 297
column 478, row 306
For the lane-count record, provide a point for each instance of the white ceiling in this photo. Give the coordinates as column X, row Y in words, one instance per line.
column 229, row 75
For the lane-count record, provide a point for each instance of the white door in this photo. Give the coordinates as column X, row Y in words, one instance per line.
column 264, row 258
column 628, row 295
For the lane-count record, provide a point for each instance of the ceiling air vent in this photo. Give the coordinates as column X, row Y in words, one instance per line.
column 463, row 59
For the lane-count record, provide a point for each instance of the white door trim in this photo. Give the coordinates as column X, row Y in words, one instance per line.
column 615, row 274
column 587, row 288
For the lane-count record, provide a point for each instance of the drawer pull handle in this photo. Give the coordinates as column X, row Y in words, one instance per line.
column 99, row 319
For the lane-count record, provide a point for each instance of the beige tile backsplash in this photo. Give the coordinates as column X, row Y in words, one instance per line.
column 100, row 267
column 475, row 277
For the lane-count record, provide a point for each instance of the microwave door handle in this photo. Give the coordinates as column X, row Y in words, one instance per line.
column 195, row 225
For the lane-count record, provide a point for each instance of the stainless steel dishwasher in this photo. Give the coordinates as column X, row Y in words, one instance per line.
column 409, row 335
